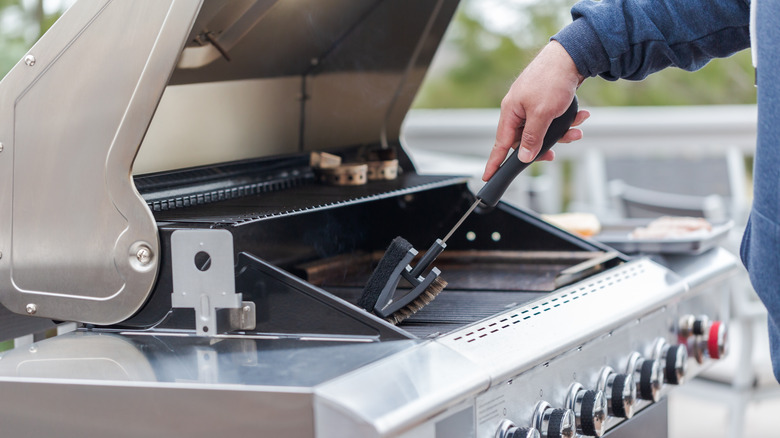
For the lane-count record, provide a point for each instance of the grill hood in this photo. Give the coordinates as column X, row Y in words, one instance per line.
column 302, row 75
column 77, row 240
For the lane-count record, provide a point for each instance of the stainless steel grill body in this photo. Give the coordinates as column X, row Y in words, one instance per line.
column 319, row 386
column 173, row 342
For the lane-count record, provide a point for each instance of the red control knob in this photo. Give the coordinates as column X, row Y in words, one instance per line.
column 716, row 340
column 704, row 338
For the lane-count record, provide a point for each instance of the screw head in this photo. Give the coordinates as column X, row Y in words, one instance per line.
column 144, row 255
column 29, row 60
column 1, row 147
column 31, row 309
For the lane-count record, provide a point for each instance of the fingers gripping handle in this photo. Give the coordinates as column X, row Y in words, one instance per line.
column 494, row 189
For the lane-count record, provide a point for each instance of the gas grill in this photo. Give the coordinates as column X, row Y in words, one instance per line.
column 215, row 276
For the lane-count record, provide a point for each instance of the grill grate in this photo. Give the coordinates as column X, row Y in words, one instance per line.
column 300, row 199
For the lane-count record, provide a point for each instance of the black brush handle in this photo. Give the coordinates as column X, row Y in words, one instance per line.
column 428, row 258
column 494, row 189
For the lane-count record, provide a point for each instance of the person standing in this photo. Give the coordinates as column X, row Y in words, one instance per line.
column 630, row 39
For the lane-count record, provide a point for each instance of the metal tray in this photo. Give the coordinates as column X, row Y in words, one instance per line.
column 617, row 235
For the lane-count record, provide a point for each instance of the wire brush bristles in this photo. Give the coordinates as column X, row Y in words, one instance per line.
column 423, row 300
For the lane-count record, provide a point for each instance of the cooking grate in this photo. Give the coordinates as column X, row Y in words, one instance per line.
column 482, row 284
column 296, row 199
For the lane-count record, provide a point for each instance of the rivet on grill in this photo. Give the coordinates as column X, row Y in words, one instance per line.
column 144, row 255
column 31, row 309
column 29, row 60
column 1, row 147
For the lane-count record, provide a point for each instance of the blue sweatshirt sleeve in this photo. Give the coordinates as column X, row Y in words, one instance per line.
column 630, row 39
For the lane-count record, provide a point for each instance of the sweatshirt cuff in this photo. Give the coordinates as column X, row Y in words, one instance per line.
column 583, row 45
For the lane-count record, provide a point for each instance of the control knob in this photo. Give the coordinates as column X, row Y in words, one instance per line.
column 716, row 340
column 691, row 325
column 709, row 338
column 590, row 410
column 620, row 391
column 648, row 376
column 674, row 360
column 553, row 423
column 507, row 429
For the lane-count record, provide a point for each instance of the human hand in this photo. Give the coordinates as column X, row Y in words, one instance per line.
column 542, row 92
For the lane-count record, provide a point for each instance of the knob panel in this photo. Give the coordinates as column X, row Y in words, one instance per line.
column 585, row 408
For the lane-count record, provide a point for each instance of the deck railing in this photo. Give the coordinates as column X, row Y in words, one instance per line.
column 459, row 141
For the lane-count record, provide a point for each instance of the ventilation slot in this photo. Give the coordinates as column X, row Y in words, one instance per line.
column 577, row 293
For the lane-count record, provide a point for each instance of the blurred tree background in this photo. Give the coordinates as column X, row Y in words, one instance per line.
column 485, row 48
column 22, row 22
column 490, row 41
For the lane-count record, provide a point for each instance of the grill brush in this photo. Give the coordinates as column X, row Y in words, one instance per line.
column 381, row 294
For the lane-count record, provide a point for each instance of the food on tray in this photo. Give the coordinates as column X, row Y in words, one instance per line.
column 583, row 224
column 670, row 227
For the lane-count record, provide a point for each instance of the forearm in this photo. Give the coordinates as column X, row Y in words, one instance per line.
column 630, row 39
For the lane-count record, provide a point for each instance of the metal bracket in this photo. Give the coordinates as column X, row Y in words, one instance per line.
column 244, row 317
column 204, row 279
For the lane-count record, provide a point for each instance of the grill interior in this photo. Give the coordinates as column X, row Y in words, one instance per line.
column 295, row 229
column 480, row 283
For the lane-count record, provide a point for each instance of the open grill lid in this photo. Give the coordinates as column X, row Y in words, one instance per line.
column 301, row 75
column 77, row 240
